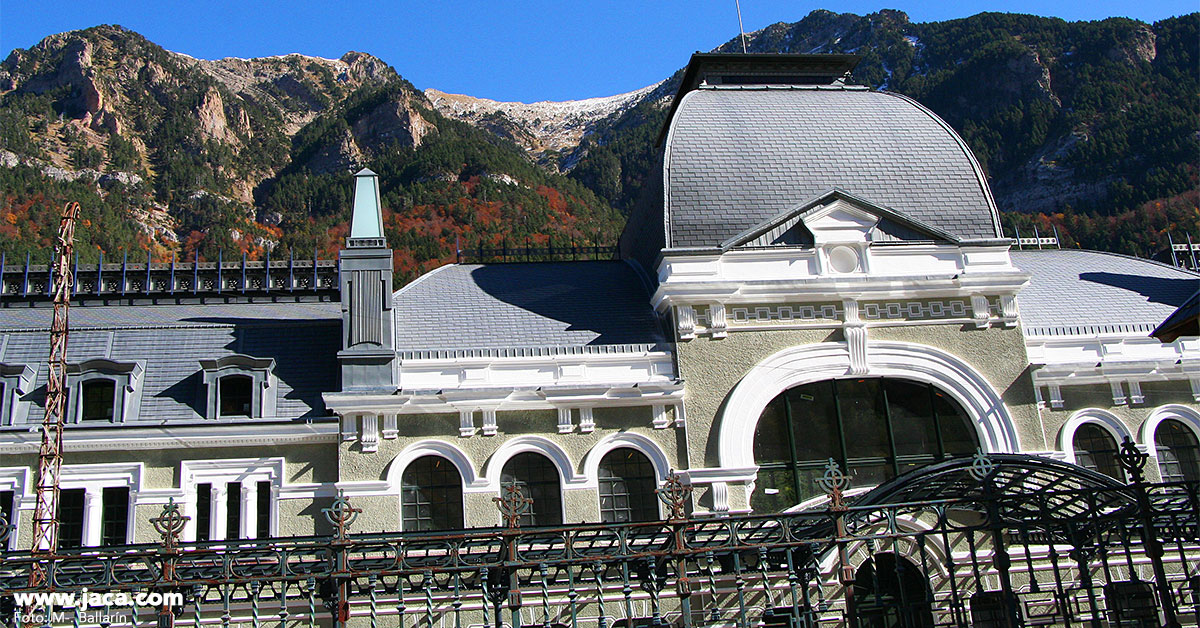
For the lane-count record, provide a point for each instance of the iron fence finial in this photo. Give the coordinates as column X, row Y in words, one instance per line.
column 341, row 515
column 674, row 494
column 513, row 504
column 169, row 524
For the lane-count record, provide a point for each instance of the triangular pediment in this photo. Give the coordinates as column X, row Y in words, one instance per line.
column 837, row 216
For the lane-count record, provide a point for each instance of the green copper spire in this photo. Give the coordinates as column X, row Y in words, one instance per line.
column 367, row 220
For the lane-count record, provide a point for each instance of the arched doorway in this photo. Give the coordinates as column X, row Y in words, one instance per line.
column 874, row 428
column 890, row 592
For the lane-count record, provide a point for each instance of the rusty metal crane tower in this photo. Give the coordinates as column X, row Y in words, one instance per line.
column 45, row 517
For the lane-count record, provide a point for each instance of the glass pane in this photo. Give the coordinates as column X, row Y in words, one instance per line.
column 1178, row 452
column 959, row 437
column 1096, row 449
column 235, row 394
column 773, row 491
column 814, row 422
column 98, row 399
column 431, row 495
column 537, row 477
column 911, row 410
column 862, row 419
column 627, row 484
column 770, row 437
column 70, row 518
column 115, row 522
column 869, row 473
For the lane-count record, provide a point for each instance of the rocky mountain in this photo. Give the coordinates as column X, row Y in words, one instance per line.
column 544, row 129
column 187, row 156
column 1090, row 127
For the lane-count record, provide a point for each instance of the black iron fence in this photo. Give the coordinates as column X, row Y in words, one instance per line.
column 1000, row 541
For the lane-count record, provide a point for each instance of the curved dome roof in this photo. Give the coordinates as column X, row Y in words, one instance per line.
column 737, row 156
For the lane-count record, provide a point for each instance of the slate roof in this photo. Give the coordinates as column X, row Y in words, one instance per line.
column 525, row 309
column 1073, row 291
column 303, row 338
column 739, row 155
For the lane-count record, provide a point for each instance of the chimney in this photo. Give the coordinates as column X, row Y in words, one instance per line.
column 368, row 354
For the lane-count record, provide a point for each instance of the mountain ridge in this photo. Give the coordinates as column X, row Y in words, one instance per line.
column 1072, row 121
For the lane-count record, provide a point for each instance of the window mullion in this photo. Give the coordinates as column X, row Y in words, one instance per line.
column 937, row 422
column 837, row 411
column 791, row 438
column 887, row 421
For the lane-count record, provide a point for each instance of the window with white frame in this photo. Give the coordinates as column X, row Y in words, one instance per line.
column 1096, row 449
column 80, row 511
column 1178, row 452
column 95, row 505
column 239, row 386
column 103, row 391
column 231, row 499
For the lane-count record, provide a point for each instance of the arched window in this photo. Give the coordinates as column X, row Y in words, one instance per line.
column 627, row 484
column 235, row 394
column 890, row 591
column 537, row 477
column 1096, row 449
column 99, row 399
column 1178, row 452
column 431, row 495
column 874, row 428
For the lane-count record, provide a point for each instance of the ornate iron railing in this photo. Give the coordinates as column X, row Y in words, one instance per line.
column 1012, row 545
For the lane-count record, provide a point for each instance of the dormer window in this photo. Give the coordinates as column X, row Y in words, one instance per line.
column 101, row 390
column 99, row 400
column 239, row 386
column 16, row 380
column 235, row 394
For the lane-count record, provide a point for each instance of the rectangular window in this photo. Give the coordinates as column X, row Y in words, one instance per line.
column 263, row 529
column 70, row 518
column 115, row 521
column 233, row 510
column 203, row 512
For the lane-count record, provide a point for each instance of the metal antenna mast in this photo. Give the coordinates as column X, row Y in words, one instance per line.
column 45, row 517
column 741, row 29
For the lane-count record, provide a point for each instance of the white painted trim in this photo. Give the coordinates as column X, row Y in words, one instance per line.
column 1105, row 419
column 1149, row 428
column 795, row 366
column 507, row 398
column 460, row 459
column 220, row 473
column 209, row 434
column 538, row 444
column 17, row 480
column 631, row 440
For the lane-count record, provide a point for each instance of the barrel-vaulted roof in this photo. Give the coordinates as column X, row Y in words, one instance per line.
column 738, row 155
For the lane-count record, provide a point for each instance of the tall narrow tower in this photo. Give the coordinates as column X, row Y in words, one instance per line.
column 368, row 354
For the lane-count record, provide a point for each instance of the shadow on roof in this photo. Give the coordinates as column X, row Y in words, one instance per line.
column 603, row 298
column 1172, row 292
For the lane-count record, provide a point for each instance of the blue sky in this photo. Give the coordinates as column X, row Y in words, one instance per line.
column 505, row 50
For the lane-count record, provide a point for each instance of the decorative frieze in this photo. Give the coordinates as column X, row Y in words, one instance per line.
column 921, row 310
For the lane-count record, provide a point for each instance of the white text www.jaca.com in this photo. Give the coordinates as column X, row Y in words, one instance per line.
column 85, row 599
